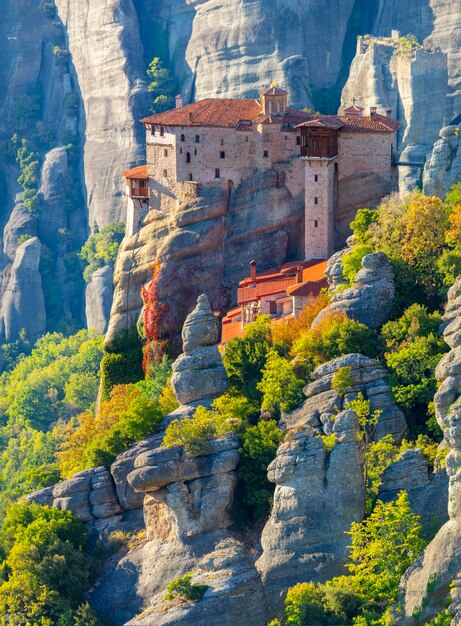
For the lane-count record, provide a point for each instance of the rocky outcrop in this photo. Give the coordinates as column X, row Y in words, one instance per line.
column 23, row 305
column 317, row 497
column 392, row 78
column 204, row 247
column 199, row 373
column 98, row 299
column 53, row 192
column 441, row 560
column 443, row 167
column 106, row 34
column 427, row 491
column 367, row 377
column 89, row 494
column 20, row 224
column 369, row 300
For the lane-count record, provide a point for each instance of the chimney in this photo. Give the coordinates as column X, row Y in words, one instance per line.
column 190, row 116
column 178, row 101
column 373, row 111
column 253, row 269
column 389, row 113
column 299, row 274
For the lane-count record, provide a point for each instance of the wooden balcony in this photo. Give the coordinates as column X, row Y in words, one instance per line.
column 139, row 192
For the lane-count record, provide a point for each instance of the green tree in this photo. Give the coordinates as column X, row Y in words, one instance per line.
column 162, row 86
column 101, row 249
column 352, row 261
column 360, row 226
column 245, row 358
column 281, row 388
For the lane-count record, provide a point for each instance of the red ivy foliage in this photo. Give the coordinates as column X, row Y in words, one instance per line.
column 154, row 313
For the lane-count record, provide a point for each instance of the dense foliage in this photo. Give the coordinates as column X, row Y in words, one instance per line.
column 162, row 86
column 45, row 568
column 101, row 249
column 183, row 589
column 40, row 393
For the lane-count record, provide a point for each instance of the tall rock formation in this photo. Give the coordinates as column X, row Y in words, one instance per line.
column 318, row 496
column 441, row 560
column 443, row 167
column 107, row 55
column 389, row 74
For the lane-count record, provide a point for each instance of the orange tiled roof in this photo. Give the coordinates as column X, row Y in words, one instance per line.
column 353, row 110
column 136, row 173
column 354, row 123
column 221, row 112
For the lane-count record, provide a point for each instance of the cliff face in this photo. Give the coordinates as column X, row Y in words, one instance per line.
column 106, row 50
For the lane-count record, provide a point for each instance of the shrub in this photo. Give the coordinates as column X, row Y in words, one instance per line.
column 259, row 445
column 335, row 336
column 342, row 380
column 195, row 434
column 281, row 389
column 360, row 226
column 416, row 321
column 101, row 249
column 352, row 261
column 29, row 179
column 183, row 589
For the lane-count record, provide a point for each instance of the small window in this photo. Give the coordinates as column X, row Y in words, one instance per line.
column 165, row 173
column 266, row 153
column 195, row 151
column 336, row 168
column 316, row 178
column 286, row 137
column 197, row 138
column 180, row 150
column 316, row 200
column 152, row 130
column 316, row 224
column 222, row 142
column 217, row 173
column 223, row 154
column 162, row 131
column 298, row 140
column 272, row 307
column 165, row 153
column 183, row 138
column 188, row 157
column 190, row 177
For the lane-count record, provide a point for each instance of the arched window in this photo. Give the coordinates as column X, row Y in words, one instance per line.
column 197, row 138
column 188, row 157
column 183, row 138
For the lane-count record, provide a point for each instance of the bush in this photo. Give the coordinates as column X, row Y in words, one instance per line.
column 281, row 389
column 415, row 322
column 352, row 261
column 101, row 249
column 253, row 493
column 288, row 330
column 336, row 335
column 162, row 86
column 360, row 226
column 183, row 589
column 342, row 380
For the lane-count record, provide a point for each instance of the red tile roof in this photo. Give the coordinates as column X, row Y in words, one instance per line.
column 353, row 110
column 136, row 173
column 225, row 113
column 354, row 123
column 274, row 91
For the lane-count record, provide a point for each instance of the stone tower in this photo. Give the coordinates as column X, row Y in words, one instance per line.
column 319, row 151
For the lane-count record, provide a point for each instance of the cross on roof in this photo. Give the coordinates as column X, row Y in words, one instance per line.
column 354, row 100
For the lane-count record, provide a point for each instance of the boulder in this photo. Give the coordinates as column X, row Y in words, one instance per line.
column 442, row 169
column 370, row 298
